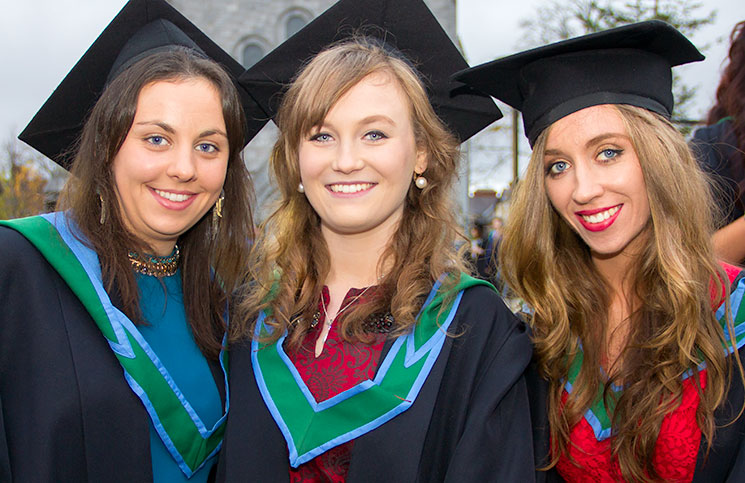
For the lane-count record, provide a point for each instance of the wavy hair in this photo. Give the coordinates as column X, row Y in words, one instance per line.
column 730, row 97
column 672, row 330
column 202, row 251
column 423, row 246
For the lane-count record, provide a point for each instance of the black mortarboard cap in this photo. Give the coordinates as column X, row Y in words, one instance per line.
column 141, row 28
column 624, row 65
column 407, row 26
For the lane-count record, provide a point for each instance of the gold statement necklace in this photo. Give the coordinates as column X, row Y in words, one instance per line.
column 155, row 266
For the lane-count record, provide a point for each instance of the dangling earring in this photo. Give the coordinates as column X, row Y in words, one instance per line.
column 300, row 188
column 217, row 212
column 102, row 219
column 420, row 181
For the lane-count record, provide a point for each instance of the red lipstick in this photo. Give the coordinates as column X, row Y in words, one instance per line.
column 600, row 226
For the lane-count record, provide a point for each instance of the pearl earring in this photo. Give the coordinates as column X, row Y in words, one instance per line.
column 420, row 181
column 300, row 188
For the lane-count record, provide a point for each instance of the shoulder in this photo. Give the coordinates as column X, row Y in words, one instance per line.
column 714, row 144
column 482, row 315
column 17, row 250
column 23, row 268
column 721, row 131
column 485, row 301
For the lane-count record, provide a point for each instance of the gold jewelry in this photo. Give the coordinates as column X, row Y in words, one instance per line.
column 155, row 266
column 102, row 219
column 217, row 213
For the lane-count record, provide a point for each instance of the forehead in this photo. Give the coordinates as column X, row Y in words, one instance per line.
column 379, row 92
column 581, row 127
column 164, row 91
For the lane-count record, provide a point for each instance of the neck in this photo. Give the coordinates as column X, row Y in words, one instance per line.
column 354, row 258
column 162, row 249
column 353, row 262
column 618, row 272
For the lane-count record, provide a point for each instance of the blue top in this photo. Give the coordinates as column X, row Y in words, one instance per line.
column 168, row 333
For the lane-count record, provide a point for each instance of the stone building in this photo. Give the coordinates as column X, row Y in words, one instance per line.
column 249, row 29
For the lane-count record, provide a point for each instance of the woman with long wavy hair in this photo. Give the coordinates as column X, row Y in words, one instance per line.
column 720, row 147
column 608, row 242
column 375, row 356
column 115, row 308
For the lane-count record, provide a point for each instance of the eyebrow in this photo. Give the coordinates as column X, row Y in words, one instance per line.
column 160, row 124
column 167, row 127
column 377, row 118
column 551, row 152
column 211, row 132
column 596, row 140
column 603, row 137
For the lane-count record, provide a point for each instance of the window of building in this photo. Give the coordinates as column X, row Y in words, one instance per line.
column 293, row 24
column 251, row 54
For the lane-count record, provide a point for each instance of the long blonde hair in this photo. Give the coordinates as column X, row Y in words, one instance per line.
column 423, row 246
column 672, row 331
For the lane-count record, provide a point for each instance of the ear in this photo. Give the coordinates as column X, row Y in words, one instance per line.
column 421, row 161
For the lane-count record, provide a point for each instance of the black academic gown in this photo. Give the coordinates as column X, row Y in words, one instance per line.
column 725, row 461
column 67, row 413
column 716, row 150
column 470, row 422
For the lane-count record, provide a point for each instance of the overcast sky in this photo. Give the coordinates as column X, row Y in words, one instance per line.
column 42, row 40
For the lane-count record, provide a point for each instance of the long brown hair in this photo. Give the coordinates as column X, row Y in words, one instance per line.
column 423, row 246
column 731, row 91
column 211, row 263
column 673, row 329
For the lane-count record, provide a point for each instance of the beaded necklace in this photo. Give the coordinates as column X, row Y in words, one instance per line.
column 155, row 266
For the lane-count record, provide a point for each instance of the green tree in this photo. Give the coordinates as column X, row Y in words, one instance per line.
column 25, row 180
column 558, row 20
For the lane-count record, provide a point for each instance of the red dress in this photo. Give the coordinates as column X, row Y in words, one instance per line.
column 339, row 367
column 677, row 445
column 675, row 452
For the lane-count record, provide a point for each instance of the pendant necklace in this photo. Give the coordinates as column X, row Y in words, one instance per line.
column 328, row 322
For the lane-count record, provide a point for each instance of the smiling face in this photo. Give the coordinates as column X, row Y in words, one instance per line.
column 172, row 165
column 357, row 166
column 595, row 182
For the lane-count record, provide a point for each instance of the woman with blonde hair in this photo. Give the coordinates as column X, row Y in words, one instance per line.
column 375, row 357
column 608, row 243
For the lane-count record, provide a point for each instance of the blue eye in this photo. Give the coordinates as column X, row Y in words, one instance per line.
column 207, row 148
column 375, row 135
column 609, row 153
column 321, row 137
column 558, row 167
column 156, row 140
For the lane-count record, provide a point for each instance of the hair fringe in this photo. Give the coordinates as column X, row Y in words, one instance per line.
column 423, row 246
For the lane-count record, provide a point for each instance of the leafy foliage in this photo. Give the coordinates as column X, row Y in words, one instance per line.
column 27, row 181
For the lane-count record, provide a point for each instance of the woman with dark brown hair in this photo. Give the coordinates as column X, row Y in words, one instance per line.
column 368, row 353
column 115, row 308
column 637, row 357
column 720, row 148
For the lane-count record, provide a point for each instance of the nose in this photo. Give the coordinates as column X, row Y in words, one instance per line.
column 347, row 159
column 182, row 165
column 587, row 184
